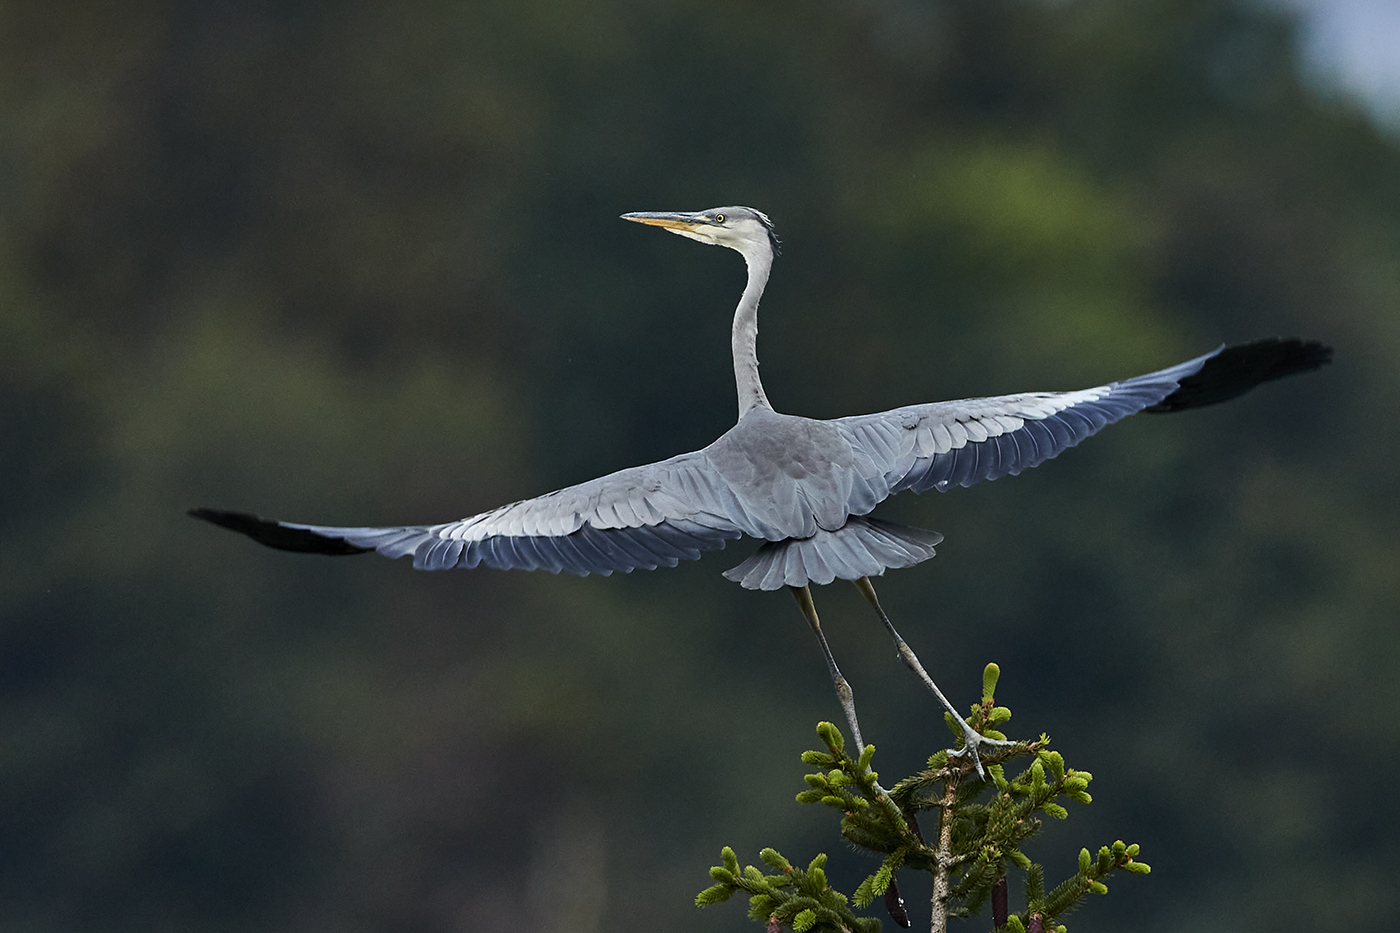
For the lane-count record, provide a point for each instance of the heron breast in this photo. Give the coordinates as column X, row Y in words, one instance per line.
column 792, row 475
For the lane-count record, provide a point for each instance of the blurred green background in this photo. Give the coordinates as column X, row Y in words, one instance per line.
column 360, row 264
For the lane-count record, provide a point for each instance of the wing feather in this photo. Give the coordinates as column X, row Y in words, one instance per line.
column 644, row 517
column 959, row 443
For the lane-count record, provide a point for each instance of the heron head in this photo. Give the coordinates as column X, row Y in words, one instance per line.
column 740, row 228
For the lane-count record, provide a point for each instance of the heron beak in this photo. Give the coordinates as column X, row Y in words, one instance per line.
column 671, row 221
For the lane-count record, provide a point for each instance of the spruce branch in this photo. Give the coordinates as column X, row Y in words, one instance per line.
column 982, row 826
column 794, row 897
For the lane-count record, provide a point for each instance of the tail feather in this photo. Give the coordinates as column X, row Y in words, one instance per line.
column 863, row 547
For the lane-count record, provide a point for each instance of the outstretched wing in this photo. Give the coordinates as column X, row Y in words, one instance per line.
column 662, row 513
column 645, row 517
column 945, row 444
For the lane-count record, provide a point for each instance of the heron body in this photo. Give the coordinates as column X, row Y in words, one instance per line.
column 804, row 487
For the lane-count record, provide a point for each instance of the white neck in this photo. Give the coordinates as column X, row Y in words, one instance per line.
column 744, row 339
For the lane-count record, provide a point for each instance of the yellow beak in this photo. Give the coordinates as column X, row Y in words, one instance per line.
column 669, row 220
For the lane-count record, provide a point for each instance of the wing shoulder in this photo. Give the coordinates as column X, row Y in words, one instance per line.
column 681, row 488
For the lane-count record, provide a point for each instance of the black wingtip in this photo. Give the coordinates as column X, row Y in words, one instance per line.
column 275, row 534
column 1237, row 369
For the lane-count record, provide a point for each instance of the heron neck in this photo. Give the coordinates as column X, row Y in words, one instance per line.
column 744, row 340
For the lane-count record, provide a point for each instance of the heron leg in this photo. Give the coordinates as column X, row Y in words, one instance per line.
column 803, row 595
column 972, row 740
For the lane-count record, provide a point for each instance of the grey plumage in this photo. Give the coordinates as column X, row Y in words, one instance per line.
column 799, row 484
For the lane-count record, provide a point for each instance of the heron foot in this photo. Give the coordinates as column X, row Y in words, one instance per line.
column 973, row 743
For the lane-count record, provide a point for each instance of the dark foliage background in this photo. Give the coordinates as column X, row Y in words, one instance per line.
column 358, row 263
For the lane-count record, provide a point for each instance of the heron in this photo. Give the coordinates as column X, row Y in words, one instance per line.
column 803, row 487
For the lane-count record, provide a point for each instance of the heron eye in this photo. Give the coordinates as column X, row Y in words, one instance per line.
column 719, row 218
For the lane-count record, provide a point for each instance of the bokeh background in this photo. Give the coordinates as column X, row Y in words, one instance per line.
column 358, row 263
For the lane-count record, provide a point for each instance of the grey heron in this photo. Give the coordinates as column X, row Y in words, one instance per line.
column 804, row 487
